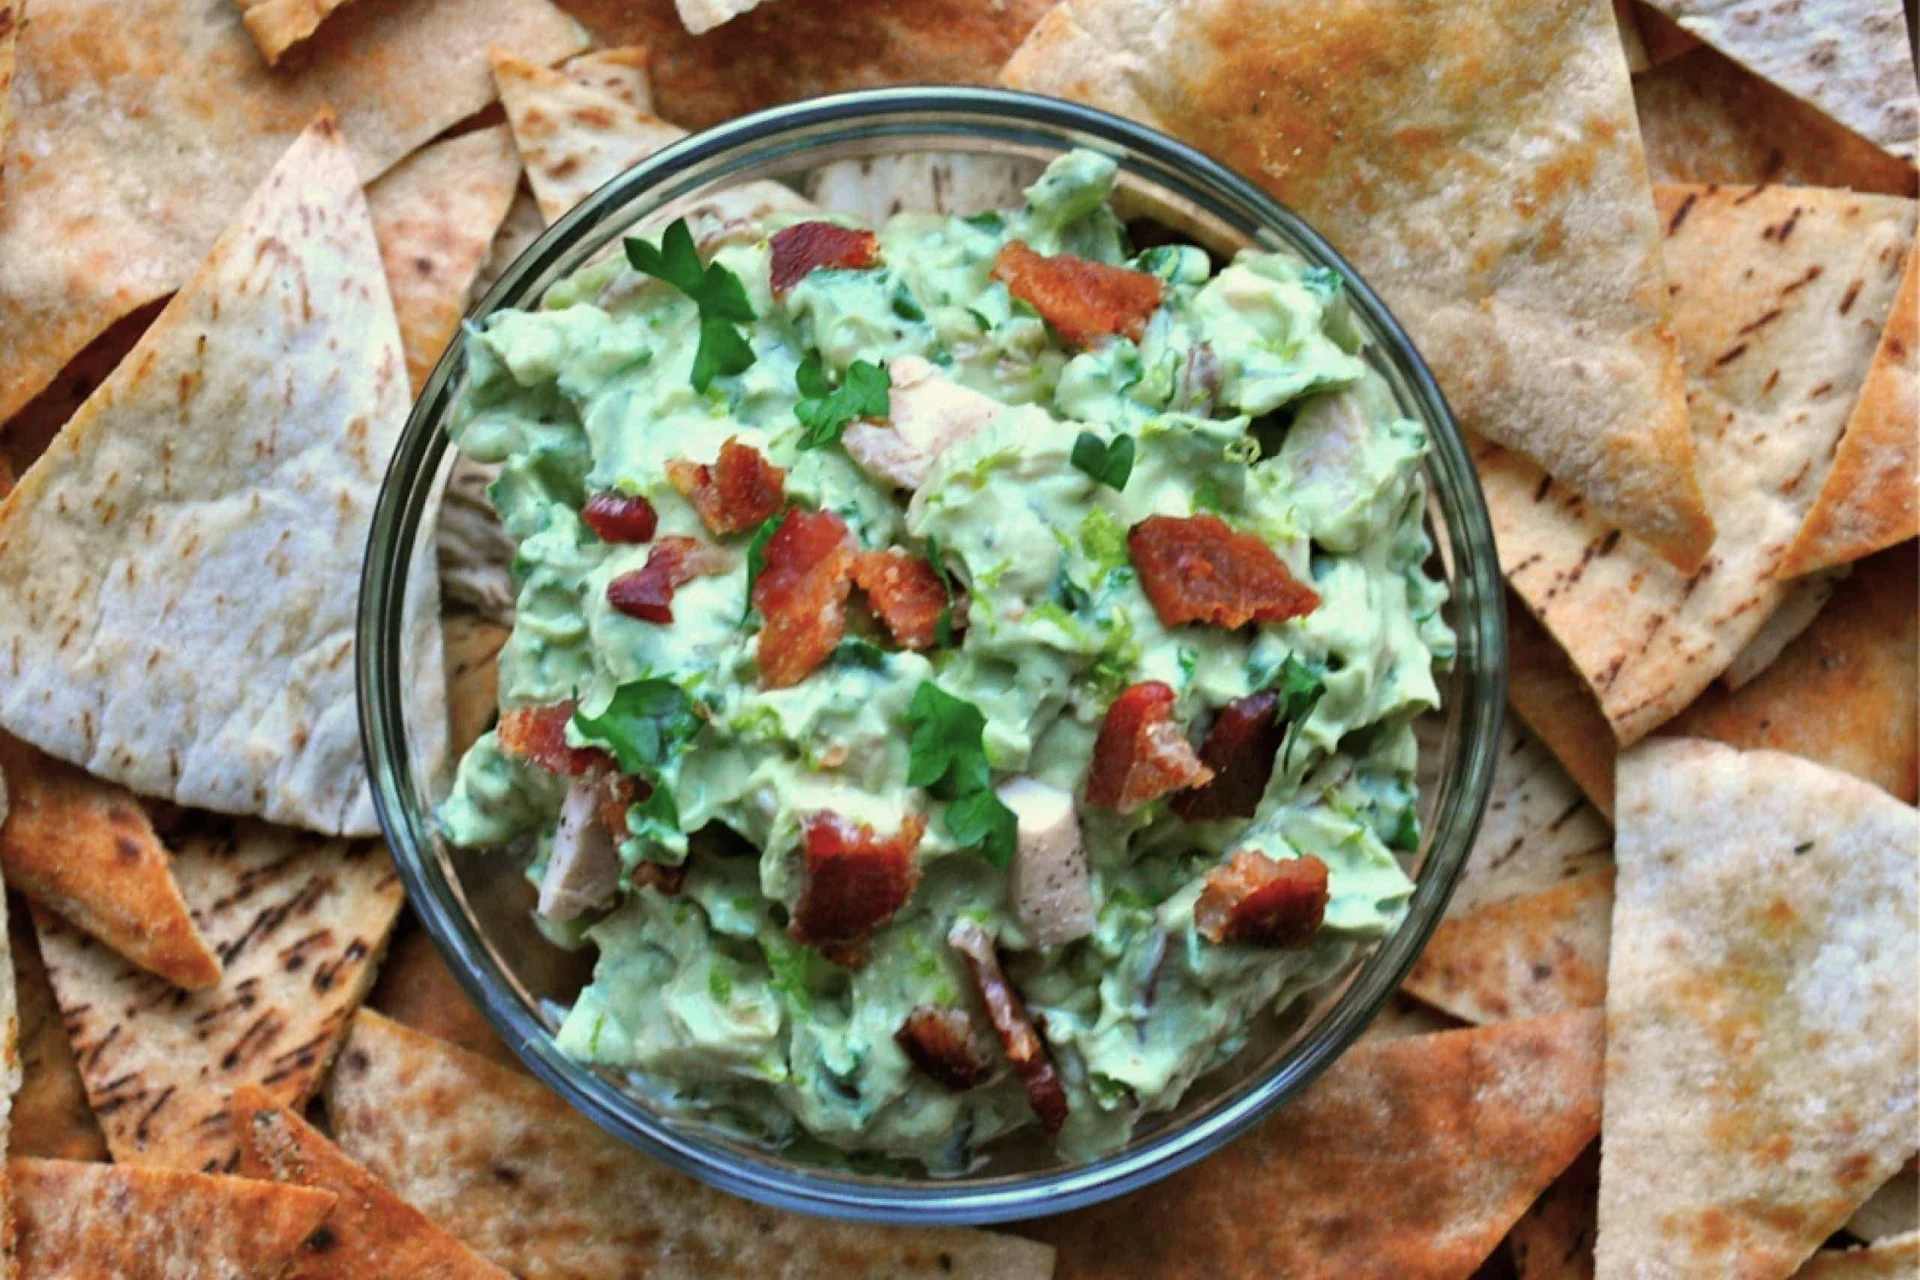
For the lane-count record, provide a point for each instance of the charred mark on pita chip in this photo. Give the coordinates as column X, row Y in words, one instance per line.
column 1680, row 214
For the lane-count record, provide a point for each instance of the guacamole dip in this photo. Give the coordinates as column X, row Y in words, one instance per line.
column 963, row 670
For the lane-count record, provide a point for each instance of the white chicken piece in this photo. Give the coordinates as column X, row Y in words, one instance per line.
column 926, row 414
column 584, row 868
column 1051, row 887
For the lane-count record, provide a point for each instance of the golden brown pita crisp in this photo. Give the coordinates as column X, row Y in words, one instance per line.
column 84, row 848
column 278, row 25
column 1763, row 1074
column 51, row 1117
column 417, row 990
column 153, row 162
column 110, row 1220
column 1779, row 298
column 1868, row 500
column 370, row 1231
column 1556, row 705
column 621, row 73
column 1554, row 1239
column 1848, row 58
column 299, row 922
column 1894, row 1259
column 1464, row 158
column 501, row 1162
column 434, row 217
column 1893, row 1210
column 242, row 441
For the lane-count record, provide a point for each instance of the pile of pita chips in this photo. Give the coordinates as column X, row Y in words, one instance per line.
column 1763, row 1072
column 51, row 1117
column 504, row 1164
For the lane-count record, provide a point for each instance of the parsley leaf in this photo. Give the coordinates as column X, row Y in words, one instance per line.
column 943, row 625
column 1299, row 687
column 645, row 726
column 716, row 291
column 757, row 557
column 981, row 818
column 1108, row 462
column 826, row 412
column 948, row 757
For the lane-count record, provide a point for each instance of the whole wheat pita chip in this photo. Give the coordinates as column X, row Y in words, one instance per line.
column 12, row 17
column 1705, row 118
column 1464, row 158
column 278, row 25
column 704, row 15
column 417, row 990
column 434, row 217
column 153, row 159
column 1868, row 500
column 1848, row 58
column 1763, row 1027
column 472, row 648
column 51, row 1117
column 85, row 849
column 1779, row 297
column 1894, row 1259
column 111, row 1220
column 1893, row 1210
column 299, row 922
column 370, row 1231
column 501, row 1162
column 202, row 521
column 1554, row 1239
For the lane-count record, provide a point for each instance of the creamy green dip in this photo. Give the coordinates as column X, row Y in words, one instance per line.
column 1243, row 396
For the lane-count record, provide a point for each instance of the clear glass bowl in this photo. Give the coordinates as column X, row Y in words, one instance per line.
column 476, row 904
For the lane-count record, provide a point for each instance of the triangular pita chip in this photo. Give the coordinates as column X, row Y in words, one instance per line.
column 1868, row 500
column 1454, row 153
column 472, row 646
column 85, row 848
column 1705, row 118
column 620, row 73
column 1893, row 1210
column 278, row 25
column 434, row 217
column 299, row 922
column 370, row 1231
column 1779, row 298
column 1893, row 1259
column 1763, row 1026
column 153, row 162
column 1554, row 1239
column 500, row 1161
column 51, row 1117
column 111, row 1220
column 417, row 990
column 202, row 521
column 704, row 15
column 1849, row 58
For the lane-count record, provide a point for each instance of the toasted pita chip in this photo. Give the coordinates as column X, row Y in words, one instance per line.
column 620, row 73
column 1868, row 500
column 1704, row 118
column 1557, row 706
column 472, row 647
column 704, row 15
column 85, row 849
column 110, row 1220
column 299, row 922
column 242, row 441
column 51, row 1117
column 1462, row 203
column 1554, row 1239
column 12, row 16
column 417, row 990
column 370, row 1231
column 1763, row 1074
column 1779, row 297
column 504, row 1164
column 1895, row 1259
column 1893, row 1210
column 434, row 216
column 153, row 162
column 1801, row 604
column 1848, row 58
column 278, row 25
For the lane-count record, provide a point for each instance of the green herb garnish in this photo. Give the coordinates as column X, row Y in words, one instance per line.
column 1299, row 687
column 716, row 291
column 947, row 755
column 1108, row 462
column 757, row 557
column 825, row 411
column 645, row 726
column 943, row 625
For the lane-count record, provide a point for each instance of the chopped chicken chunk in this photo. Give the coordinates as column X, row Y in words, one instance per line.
column 584, row 868
column 1051, row 888
column 926, row 414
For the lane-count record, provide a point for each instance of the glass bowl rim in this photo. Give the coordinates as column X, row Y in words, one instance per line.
column 394, row 532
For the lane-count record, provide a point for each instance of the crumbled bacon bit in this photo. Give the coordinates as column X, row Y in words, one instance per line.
column 1240, row 749
column 538, row 735
column 855, row 879
column 906, row 592
column 802, row 593
column 940, row 1042
column 1018, row 1036
column 740, row 490
column 1141, row 754
column 806, row 247
column 646, row 593
column 1255, row 899
column 664, row 878
column 1196, row 569
column 619, row 793
column 1083, row 301
column 619, row 517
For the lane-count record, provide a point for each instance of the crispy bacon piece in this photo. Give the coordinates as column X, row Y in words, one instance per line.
column 1240, row 749
column 1254, row 899
column 906, row 592
column 940, row 1042
column 619, row 517
column 806, row 247
column 1018, row 1036
column 1083, row 301
column 1141, row 754
column 855, row 879
column 1196, row 569
column 647, row 592
column 740, row 490
column 664, row 878
column 539, row 736
column 802, row 593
